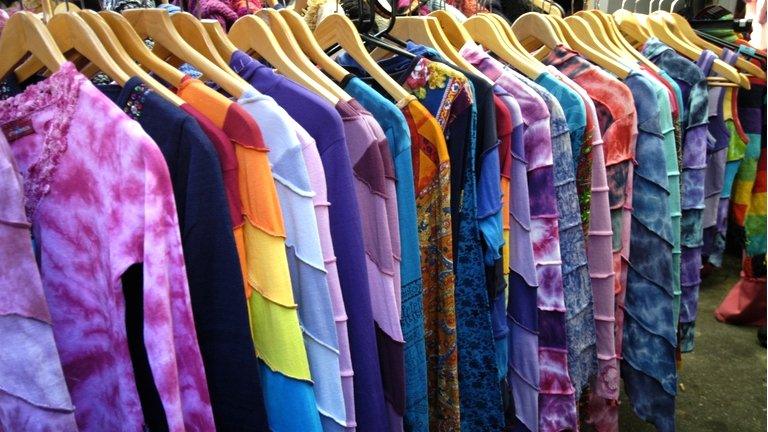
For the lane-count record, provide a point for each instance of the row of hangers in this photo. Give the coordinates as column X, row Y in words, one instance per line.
column 114, row 44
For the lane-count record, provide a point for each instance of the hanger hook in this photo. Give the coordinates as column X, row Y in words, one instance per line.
column 634, row 7
column 672, row 6
column 650, row 6
column 623, row 4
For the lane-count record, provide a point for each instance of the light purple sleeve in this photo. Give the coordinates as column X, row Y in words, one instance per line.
column 317, row 180
column 31, row 398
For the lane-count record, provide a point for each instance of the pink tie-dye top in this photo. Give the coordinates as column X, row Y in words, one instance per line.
column 100, row 200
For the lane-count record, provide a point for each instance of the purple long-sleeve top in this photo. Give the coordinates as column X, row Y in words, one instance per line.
column 371, row 189
column 36, row 398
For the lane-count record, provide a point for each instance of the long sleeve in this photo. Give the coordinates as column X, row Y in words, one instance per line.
column 32, row 399
column 178, row 373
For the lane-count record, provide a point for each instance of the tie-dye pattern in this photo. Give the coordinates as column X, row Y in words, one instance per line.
column 599, row 244
column 65, row 180
column 577, row 290
column 617, row 122
column 649, row 337
column 557, row 409
column 532, row 219
column 692, row 82
column 32, row 399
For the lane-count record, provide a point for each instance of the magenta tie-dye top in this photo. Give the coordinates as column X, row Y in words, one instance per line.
column 99, row 199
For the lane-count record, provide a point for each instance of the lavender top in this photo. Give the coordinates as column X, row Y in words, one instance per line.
column 33, row 399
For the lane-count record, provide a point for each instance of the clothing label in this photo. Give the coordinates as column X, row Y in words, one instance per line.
column 17, row 129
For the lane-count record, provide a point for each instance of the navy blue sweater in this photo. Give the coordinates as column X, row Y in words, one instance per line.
column 213, row 269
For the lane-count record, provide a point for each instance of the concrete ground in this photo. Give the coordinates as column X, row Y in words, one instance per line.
column 722, row 386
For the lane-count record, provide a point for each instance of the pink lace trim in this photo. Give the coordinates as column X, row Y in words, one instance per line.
column 59, row 91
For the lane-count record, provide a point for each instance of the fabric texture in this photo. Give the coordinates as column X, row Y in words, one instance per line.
column 323, row 125
column 395, row 127
column 136, row 199
column 271, row 307
column 304, row 252
column 577, row 290
column 215, row 283
column 34, row 399
column 618, row 126
column 432, row 177
column 649, row 337
column 692, row 82
column 370, row 187
column 524, row 370
column 599, row 239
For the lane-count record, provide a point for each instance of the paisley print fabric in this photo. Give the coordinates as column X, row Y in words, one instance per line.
column 450, row 98
column 431, row 172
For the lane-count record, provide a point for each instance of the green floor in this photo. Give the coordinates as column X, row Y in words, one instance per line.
column 722, row 384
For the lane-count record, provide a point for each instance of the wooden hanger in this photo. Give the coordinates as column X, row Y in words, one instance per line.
column 338, row 29
column 670, row 22
column 113, row 47
column 65, row 7
column 309, row 45
column 134, row 46
column 588, row 44
column 484, row 32
column 215, row 31
column 291, row 47
column 547, row 7
column 613, row 32
column 426, row 30
column 505, row 28
column 533, row 29
column 415, row 29
column 598, row 28
column 192, row 31
column 156, row 23
column 25, row 34
column 683, row 28
column 665, row 34
column 630, row 25
column 251, row 34
column 456, row 33
column 451, row 52
column 71, row 33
